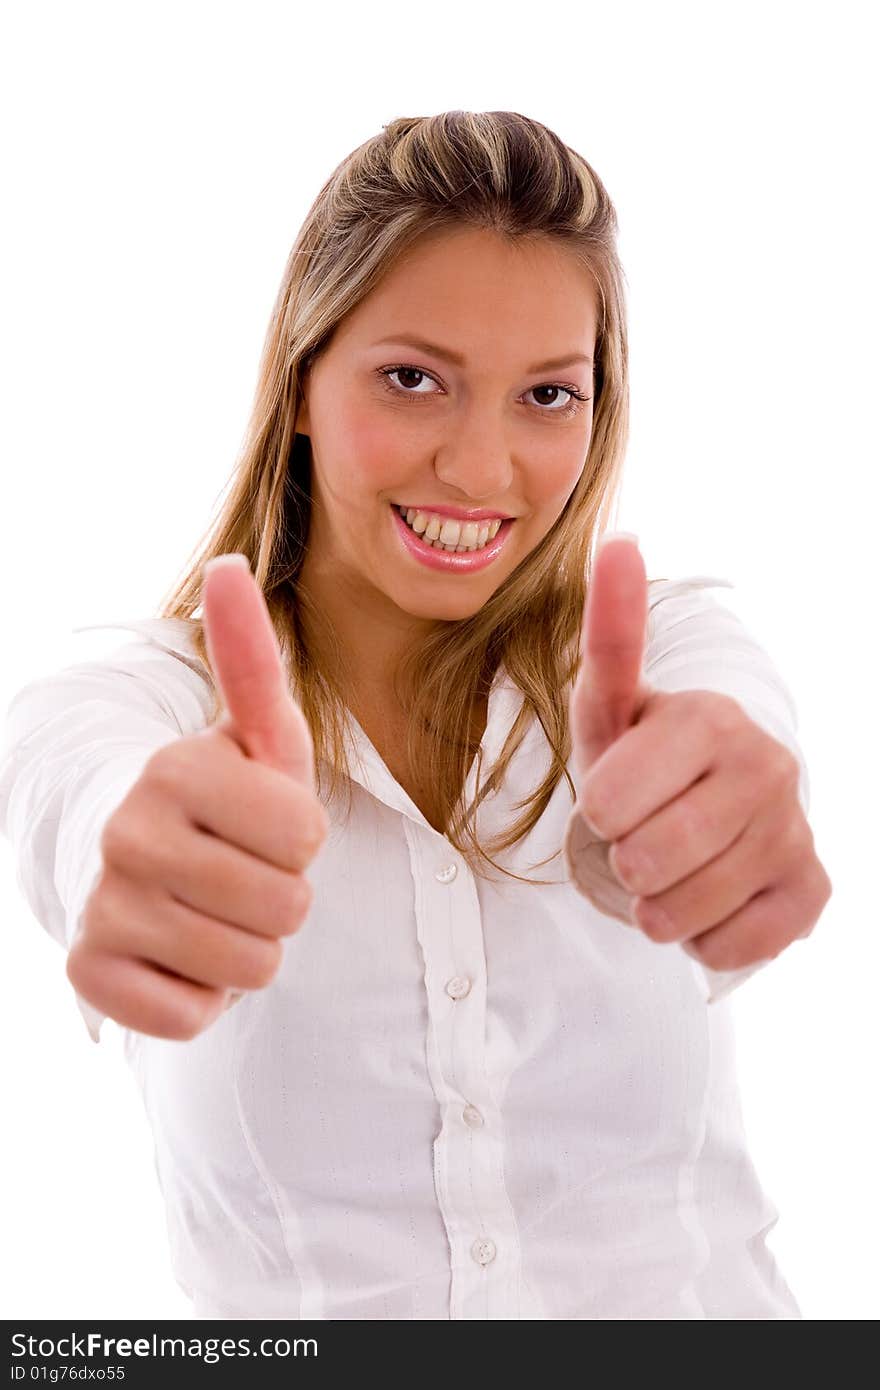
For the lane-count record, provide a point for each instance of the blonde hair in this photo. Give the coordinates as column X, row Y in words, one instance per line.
column 501, row 171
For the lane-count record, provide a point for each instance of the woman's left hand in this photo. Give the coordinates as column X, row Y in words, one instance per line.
column 697, row 805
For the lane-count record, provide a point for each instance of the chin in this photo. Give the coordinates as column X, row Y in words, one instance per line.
column 450, row 608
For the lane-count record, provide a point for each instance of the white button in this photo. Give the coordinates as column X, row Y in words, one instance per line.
column 472, row 1116
column 483, row 1250
column 448, row 874
column 458, row 986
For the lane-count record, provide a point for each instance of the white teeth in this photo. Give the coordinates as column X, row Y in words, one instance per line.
column 448, row 534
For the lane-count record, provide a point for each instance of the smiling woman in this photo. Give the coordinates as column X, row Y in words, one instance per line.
column 466, row 1092
column 496, row 285
column 469, row 429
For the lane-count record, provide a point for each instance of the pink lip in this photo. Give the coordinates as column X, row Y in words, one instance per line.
column 463, row 563
column 459, row 513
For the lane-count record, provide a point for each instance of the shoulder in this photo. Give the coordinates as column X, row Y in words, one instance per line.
column 660, row 590
column 157, row 667
column 155, row 641
column 671, row 601
column 173, row 635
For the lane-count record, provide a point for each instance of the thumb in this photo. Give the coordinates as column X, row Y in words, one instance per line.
column 263, row 718
column 609, row 691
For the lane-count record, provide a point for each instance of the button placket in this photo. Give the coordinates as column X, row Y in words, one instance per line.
column 471, row 1201
column 468, row 1150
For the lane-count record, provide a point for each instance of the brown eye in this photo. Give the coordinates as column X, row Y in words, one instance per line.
column 572, row 406
column 404, row 371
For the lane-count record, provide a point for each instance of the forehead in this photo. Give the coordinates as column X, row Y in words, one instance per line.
column 472, row 290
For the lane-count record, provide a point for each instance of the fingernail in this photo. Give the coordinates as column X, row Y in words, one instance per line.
column 233, row 558
column 593, row 829
column 618, row 536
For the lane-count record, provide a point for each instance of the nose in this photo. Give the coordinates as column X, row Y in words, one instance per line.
column 475, row 463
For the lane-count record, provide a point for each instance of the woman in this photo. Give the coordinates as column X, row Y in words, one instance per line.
column 461, row 1091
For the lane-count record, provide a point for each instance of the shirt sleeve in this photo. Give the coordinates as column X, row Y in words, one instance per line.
column 695, row 643
column 74, row 743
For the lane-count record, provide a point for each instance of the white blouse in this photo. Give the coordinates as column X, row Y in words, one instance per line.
column 457, row 1098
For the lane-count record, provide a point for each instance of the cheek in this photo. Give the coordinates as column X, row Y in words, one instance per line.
column 370, row 444
column 552, row 482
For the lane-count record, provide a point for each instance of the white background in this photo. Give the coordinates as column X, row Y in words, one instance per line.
column 158, row 161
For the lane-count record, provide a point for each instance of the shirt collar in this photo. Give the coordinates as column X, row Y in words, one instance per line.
column 370, row 772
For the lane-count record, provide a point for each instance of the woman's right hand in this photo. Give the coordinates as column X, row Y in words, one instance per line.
column 202, row 862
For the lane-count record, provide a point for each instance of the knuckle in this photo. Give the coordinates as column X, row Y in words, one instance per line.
column 189, row 1023
column 701, row 953
column 792, row 842
column 120, row 838
column 95, row 927
column 168, row 1017
column 301, row 896
column 734, row 954
column 823, row 888
column 656, row 922
column 693, row 821
column 304, row 895
column 292, row 901
column 323, row 822
column 196, row 1015
column 73, row 965
column 722, row 960
column 784, row 769
column 313, row 831
column 129, row 842
column 721, row 712
column 167, row 769
column 261, row 966
column 631, row 867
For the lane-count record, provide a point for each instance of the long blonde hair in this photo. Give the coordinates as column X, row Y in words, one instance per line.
column 501, row 171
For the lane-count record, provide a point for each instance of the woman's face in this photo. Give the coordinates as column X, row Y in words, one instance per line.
column 395, row 424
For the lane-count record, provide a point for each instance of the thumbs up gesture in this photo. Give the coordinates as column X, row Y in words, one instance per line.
column 260, row 717
column 697, row 832
column 203, row 861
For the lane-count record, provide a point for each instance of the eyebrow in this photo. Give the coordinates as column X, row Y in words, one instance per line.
column 456, row 358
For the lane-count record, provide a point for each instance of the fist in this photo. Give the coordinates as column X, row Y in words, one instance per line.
column 697, row 834
column 202, row 863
